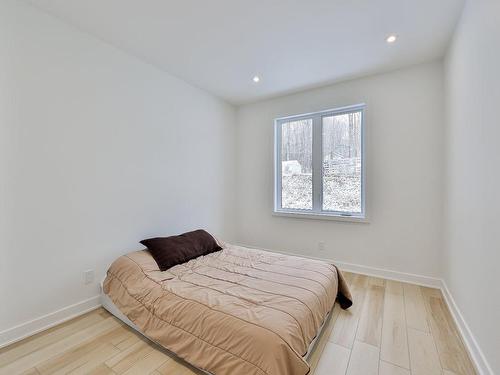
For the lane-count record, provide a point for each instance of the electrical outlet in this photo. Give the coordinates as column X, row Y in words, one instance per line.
column 88, row 276
column 321, row 246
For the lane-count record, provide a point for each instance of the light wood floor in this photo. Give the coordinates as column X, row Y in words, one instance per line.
column 392, row 329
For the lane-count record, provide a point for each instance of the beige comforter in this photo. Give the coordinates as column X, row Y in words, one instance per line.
column 237, row 311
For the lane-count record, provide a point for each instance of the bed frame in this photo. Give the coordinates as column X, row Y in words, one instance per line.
column 111, row 307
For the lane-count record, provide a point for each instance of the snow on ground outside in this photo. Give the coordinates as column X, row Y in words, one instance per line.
column 341, row 192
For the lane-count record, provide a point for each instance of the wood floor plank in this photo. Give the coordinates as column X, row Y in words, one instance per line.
column 121, row 335
column 58, row 347
column 364, row 359
column 452, row 352
column 386, row 368
column 45, row 338
column 148, row 364
column 334, row 360
column 348, row 276
column 101, row 347
column 394, row 343
column 31, row 371
column 346, row 326
column 370, row 322
column 344, row 331
column 69, row 360
column 424, row 359
column 126, row 359
column 133, row 339
column 415, row 308
column 170, row 368
column 394, row 287
column 89, row 362
column 102, row 369
column 103, row 312
column 377, row 281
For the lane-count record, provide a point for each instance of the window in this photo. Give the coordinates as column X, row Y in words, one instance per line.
column 319, row 164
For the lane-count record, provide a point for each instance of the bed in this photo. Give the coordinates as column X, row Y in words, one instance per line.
column 234, row 311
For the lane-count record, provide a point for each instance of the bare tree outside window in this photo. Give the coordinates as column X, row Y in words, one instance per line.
column 342, row 162
column 296, row 164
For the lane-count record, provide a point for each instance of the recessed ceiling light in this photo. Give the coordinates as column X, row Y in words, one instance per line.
column 256, row 79
column 391, row 38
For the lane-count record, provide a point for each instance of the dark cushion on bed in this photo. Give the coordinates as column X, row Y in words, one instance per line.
column 173, row 250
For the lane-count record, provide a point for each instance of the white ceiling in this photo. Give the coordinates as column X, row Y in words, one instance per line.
column 219, row 45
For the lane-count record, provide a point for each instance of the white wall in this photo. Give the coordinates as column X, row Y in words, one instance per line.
column 104, row 150
column 472, row 251
column 4, row 165
column 404, row 174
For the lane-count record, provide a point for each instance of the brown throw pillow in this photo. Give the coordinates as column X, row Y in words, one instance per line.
column 170, row 251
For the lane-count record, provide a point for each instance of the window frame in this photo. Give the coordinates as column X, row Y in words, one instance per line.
column 317, row 211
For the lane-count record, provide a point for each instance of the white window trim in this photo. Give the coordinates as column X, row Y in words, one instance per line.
column 317, row 212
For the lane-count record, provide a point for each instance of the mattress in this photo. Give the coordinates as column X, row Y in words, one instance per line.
column 236, row 311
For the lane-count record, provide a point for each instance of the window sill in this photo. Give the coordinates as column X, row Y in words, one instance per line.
column 318, row 216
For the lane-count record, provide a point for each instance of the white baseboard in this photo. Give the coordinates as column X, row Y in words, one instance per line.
column 475, row 352
column 44, row 322
column 428, row 281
